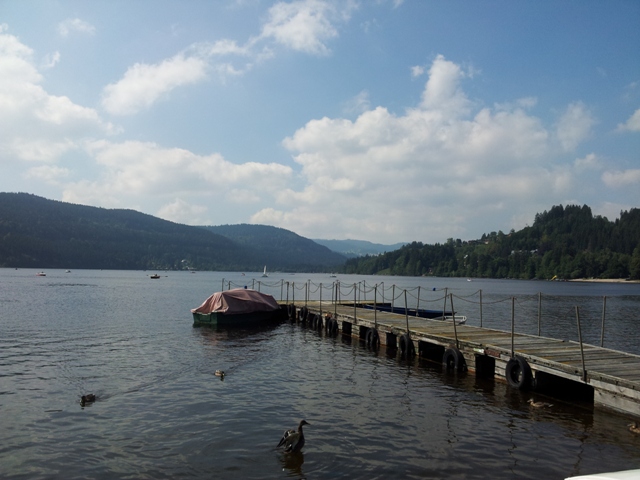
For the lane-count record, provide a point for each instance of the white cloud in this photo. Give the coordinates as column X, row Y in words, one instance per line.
column 75, row 25
column 590, row 162
column 417, row 71
column 133, row 173
column 34, row 125
column 306, row 25
column 179, row 210
column 443, row 93
column 49, row 174
column 358, row 104
column 623, row 178
column 574, row 126
column 144, row 84
column 632, row 124
column 436, row 168
column 50, row 60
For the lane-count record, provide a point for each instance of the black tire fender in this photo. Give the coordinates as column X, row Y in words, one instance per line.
column 406, row 345
column 453, row 360
column 372, row 338
column 332, row 326
column 518, row 373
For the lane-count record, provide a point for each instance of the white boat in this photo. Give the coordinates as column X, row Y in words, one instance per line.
column 264, row 274
column 623, row 475
column 460, row 319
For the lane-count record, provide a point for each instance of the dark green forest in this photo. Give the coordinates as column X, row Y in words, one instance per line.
column 563, row 243
column 40, row 233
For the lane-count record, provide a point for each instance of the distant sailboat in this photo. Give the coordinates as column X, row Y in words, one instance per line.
column 264, row 274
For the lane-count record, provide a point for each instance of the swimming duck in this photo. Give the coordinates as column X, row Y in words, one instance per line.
column 219, row 373
column 540, row 404
column 89, row 398
column 634, row 427
column 293, row 440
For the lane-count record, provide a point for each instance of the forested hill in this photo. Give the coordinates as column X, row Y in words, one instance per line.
column 40, row 233
column 279, row 247
column 564, row 243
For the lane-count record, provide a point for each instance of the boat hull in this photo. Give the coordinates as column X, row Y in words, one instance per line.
column 219, row 319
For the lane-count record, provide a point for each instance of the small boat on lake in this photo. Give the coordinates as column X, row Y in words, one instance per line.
column 155, row 275
column 238, row 307
column 264, row 274
column 460, row 319
column 41, row 274
column 412, row 312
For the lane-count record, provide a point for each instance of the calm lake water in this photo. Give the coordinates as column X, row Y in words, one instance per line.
column 162, row 413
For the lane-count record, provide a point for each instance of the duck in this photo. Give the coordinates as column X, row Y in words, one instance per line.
column 539, row 404
column 219, row 373
column 293, row 440
column 89, row 398
column 634, row 427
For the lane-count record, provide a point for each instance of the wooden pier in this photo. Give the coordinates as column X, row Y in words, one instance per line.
column 526, row 362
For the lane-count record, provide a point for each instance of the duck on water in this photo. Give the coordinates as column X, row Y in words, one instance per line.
column 293, row 440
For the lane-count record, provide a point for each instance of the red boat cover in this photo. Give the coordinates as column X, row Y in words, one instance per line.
column 239, row 300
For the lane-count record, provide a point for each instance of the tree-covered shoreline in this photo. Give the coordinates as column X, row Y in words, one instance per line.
column 563, row 243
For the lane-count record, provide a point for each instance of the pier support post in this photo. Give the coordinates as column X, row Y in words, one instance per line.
column 604, row 309
column 584, row 368
column 453, row 320
column 513, row 326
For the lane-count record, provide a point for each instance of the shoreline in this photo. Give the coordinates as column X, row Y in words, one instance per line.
column 604, row 280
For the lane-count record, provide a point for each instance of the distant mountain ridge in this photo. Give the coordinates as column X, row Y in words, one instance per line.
column 39, row 233
column 281, row 249
column 358, row 248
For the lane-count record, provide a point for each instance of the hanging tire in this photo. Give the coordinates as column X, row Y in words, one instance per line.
column 453, row 360
column 406, row 346
column 372, row 338
column 518, row 373
column 291, row 311
column 318, row 322
column 332, row 326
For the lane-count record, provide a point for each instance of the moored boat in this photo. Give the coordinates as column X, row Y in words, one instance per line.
column 460, row 319
column 412, row 312
column 237, row 307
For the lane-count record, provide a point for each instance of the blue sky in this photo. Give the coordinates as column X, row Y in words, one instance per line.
column 385, row 121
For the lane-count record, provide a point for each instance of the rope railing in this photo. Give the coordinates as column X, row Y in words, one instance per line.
column 535, row 312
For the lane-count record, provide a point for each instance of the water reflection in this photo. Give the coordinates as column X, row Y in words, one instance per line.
column 292, row 464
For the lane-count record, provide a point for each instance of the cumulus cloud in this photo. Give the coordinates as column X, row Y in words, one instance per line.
column 179, row 210
column 50, row 174
column 35, row 125
column 143, row 84
column 574, row 125
column 633, row 124
column 306, row 25
column 70, row 25
column 136, row 172
column 621, row 178
column 590, row 162
column 434, row 168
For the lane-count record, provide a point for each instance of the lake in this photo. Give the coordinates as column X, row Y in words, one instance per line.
column 162, row 413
